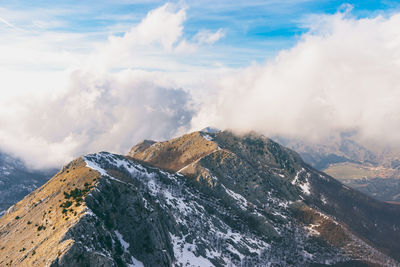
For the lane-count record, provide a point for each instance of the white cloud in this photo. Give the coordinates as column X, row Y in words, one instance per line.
column 60, row 101
column 162, row 26
column 98, row 112
column 8, row 23
column 343, row 75
column 158, row 41
column 208, row 37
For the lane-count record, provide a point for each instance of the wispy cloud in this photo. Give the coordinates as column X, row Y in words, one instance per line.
column 8, row 24
column 209, row 37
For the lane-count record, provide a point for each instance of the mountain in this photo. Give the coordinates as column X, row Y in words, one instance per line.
column 387, row 189
column 342, row 149
column 374, row 173
column 203, row 199
column 17, row 181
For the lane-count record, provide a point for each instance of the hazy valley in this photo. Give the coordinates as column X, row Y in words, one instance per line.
column 376, row 174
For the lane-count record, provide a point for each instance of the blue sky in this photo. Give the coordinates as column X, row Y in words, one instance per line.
column 255, row 30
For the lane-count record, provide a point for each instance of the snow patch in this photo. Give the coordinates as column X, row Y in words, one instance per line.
column 323, row 199
column 279, row 214
column 135, row 263
column 89, row 212
column 311, row 229
column 308, row 255
column 94, row 161
column 207, row 137
column 95, row 166
column 304, row 186
column 241, row 200
column 296, row 178
column 184, row 253
column 124, row 244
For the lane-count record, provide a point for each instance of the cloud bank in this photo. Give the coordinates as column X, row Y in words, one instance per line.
column 343, row 75
column 97, row 112
column 102, row 101
column 152, row 82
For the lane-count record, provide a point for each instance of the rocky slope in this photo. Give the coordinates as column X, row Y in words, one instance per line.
column 204, row 199
column 17, row 181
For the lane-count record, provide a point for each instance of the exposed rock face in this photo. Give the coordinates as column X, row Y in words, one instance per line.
column 204, row 199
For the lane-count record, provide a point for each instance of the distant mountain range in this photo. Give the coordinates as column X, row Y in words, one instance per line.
column 376, row 174
column 203, row 199
column 17, row 180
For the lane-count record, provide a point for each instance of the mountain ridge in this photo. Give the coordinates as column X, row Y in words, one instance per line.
column 218, row 199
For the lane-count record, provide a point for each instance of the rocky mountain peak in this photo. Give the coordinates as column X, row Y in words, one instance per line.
column 141, row 146
column 176, row 153
column 203, row 199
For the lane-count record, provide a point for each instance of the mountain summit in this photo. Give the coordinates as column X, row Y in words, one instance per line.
column 203, row 199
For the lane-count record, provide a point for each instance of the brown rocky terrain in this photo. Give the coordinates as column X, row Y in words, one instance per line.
column 32, row 232
column 174, row 154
